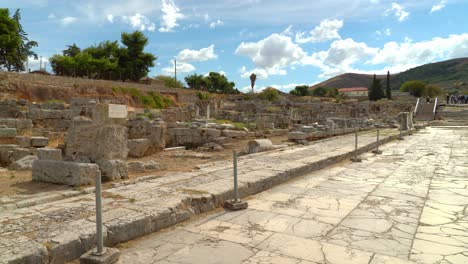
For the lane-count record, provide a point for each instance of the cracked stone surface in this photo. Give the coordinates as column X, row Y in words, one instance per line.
column 409, row 205
column 61, row 227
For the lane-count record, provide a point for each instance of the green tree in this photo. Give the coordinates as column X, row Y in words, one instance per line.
column 433, row 91
column 269, row 94
column 415, row 88
column 133, row 61
column 376, row 92
column 218, row 83
column 197, row 82
column 301, row 90
column 24, row 51
column 319, row 91
column 388, row 90
column 71, row 50
column 107, row 60
column 10, row 41
column 170, row 81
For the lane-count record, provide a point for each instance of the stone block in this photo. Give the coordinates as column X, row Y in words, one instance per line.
column 113, row 170
column 19, row 153
column 5, row 153
column 64, row 172
column 210, row 132
column 25, row 163
column 136, row 167
column 49, row 154
column 234, row 133
column 152, row 166
column 297, row 135
column 7, row 132
column 22, row 141
column 39, row 142
column 259, row 145
column 138, row 147
column 91, row 142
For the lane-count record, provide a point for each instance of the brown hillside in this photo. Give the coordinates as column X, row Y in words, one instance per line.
column 348, row 80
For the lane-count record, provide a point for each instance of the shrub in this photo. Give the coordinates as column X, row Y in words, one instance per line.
column 269, row 94
column 203, row 96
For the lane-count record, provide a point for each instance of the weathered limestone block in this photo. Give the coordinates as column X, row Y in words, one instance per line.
column 87, row 141
column 64, row 172
column 41, row 114
column 298, row 135
column 259, row 145
column 141, row 167
column 113, row 170
column 7, row 132
column 404, row 120
column 49, row 154
column 234, row 133
column 157, row 136
column 22, row 141
column 138, row 147
column 210, row 132
column 19, row 124
column 19, row 153
column 5, row 153
column 39, row 142
column 136, row 167
column 25, row 163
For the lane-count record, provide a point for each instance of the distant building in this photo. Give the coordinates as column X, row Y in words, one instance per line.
column 354, row 91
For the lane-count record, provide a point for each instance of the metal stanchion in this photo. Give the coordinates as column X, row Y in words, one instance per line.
column 400, row 136
column 99, row 240
column 377, row 151
column 100, row 254
column 356, row 158
column 236, row 203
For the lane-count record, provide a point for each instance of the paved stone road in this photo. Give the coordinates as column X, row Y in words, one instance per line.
column 409, row 205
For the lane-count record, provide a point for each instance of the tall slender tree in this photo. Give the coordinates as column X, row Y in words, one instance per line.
column 24, row 51
column 388, row 90
column 10, row 41
column 376, row 92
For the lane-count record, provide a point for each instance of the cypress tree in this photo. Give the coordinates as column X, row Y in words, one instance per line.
column 388, row 91
column 376, row 92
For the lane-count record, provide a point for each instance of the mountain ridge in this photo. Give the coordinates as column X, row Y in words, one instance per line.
column 450, row 75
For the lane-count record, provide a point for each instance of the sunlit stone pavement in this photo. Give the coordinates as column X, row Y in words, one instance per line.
column 408, row 205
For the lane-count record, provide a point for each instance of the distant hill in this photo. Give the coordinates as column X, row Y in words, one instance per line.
column 449, row 75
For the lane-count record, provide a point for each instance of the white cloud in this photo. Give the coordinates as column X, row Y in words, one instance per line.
column 417, row 53
column 340, row 57
column 287, row 31
column 438, row 6
column 182, row 67
column 271, row 55
column 216, row 23
column 327, row 30
column 204, row 54
column 110, row 18
column 51, row 16
column 68, row 20
column 171, row 13
column 398, row 11
column 140, row 22
column 386, row 32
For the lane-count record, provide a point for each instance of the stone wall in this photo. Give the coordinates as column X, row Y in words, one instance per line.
column 40, row 87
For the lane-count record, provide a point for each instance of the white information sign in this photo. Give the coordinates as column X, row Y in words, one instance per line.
column 117, row 111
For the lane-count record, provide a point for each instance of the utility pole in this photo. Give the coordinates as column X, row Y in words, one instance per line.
column 175, row 71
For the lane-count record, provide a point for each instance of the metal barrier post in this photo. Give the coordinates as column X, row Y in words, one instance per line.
column 377, row 151
column 356, row 158
column 100, row 243
column 236, row 203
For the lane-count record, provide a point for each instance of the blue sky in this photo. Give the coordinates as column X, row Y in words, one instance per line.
column 286, row 43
